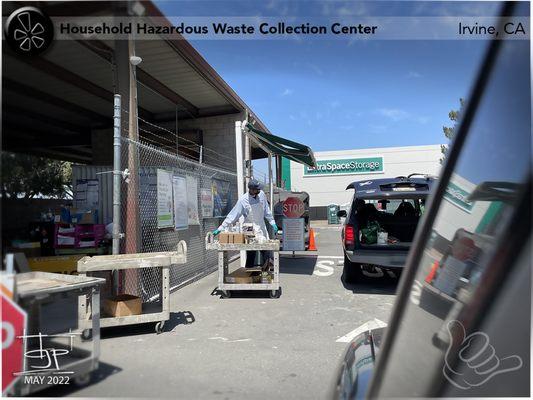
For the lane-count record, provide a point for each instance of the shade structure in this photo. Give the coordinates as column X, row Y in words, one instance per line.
column 279, row 146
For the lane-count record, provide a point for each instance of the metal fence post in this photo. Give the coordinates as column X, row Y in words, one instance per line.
column 116, row 173
column 270, row 183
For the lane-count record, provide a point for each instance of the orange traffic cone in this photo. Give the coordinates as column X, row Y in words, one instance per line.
column 312, row 244
column 432, row 272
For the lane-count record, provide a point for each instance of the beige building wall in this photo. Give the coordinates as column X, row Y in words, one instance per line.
column 397, row 161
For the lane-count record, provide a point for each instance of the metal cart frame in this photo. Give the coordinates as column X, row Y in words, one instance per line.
column 223, row 265
column 161, row 260
column 34, row 297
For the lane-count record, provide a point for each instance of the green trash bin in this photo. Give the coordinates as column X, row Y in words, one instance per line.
column 333, row 218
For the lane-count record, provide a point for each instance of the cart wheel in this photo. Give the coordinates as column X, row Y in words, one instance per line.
column 226, row 294
column 87, row 334
column 159, row 327
column 274, row 294
column 83, row 380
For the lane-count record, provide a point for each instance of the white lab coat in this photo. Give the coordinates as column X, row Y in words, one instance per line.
column 254, row 210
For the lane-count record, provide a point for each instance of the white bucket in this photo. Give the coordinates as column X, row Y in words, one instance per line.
column 383, row 237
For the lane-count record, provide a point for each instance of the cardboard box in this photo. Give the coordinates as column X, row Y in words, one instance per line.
column 225, row 237
column 84, row 216
column 242, row 275
column 238, row 238
column 122, row 305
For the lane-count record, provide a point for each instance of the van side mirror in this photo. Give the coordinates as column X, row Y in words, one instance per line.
column 341, row 213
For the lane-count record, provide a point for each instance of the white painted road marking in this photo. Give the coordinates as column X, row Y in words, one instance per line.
column 372, row 324
column 416, row 292
column 331, row 257
column 325, row 268
column 226, row 340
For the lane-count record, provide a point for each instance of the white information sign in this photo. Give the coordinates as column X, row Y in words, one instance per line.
column 165, row 209
column 192, row 202
column 181, row 214
column 206, row 202
column 293, row 234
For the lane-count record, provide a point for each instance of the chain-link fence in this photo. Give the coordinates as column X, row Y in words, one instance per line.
column 141, row 222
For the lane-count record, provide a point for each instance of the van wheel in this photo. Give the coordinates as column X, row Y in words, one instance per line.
column 352, row 272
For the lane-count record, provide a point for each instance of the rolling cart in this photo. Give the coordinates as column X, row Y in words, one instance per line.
column 150, row 312
column 223, row 268
column 53, row 332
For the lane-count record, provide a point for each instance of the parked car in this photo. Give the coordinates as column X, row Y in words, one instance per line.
column 388, row 207
column 461, row 324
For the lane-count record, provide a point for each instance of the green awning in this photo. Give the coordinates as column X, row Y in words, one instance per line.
column 279, row 146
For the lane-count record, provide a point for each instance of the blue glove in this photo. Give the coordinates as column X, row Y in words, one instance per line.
column 216, row 232
column 275, row 227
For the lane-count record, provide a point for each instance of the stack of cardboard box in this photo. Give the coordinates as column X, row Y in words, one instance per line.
column 226, row 237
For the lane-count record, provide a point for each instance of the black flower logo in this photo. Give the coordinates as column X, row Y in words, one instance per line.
column 29, row 31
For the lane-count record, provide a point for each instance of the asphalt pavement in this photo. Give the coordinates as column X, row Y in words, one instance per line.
column 247, row 346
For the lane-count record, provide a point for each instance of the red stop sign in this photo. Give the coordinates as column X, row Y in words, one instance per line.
column 13, row 325
column 293, row 207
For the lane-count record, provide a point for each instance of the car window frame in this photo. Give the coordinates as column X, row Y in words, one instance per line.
column 433, row 207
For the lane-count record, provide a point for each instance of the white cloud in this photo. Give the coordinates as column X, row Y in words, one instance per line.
column 393, row 113
column 315, row 68
column 414, row 74
column 281, row 7
column 287, row 92
column 344, row 9
column 396, row 114
column 377, row 128
column 422, row 120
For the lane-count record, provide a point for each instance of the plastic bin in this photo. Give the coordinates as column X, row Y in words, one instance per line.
column 333, row 218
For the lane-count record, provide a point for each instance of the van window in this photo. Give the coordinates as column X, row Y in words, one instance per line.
column 392, row 205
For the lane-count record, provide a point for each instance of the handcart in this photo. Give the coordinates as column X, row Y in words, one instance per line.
column 158, row 312
column 272, row 284
column 52, row 342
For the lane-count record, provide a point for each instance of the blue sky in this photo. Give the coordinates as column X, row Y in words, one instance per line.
column 337, row 94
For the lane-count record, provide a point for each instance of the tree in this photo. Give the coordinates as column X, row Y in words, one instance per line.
column 449, row 132
column 25, row 176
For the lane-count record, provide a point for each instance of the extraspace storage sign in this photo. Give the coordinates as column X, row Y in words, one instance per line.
column 348, row 166
column 13, row 325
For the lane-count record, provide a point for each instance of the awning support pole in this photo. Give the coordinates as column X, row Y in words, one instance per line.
column 278, row 172
column 239, row 159
column 270, row 183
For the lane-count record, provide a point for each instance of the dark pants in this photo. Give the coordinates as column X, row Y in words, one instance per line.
column 250, row 258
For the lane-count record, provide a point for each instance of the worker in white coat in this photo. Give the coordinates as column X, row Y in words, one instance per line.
column 255, row 209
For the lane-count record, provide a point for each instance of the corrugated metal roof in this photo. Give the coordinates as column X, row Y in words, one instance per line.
column 72, row 82
column 28, row 75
